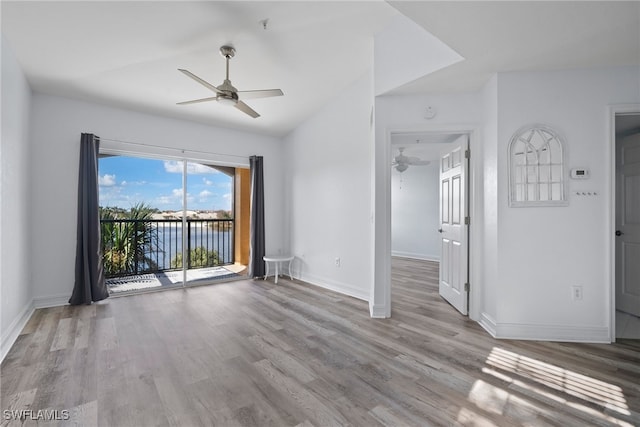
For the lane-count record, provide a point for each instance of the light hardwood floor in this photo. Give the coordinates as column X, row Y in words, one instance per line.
column 252, row 353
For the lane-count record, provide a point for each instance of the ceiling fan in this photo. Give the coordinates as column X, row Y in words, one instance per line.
column 401, row 162
column 226, row 93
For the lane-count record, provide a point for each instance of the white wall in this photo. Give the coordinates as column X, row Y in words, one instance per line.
column 328, row 190
column 415, row 212
column 15, row 211
column 488, row 223
column 542, row 252
column 56, row 127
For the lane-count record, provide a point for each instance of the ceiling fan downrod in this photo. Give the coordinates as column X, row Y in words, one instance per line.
column 228, row 52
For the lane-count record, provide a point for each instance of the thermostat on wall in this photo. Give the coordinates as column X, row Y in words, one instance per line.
column 579, row 173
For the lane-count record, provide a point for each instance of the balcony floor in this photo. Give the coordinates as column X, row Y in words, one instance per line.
column 143, row 282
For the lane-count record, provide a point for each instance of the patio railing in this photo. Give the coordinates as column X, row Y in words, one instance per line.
column 132, row 246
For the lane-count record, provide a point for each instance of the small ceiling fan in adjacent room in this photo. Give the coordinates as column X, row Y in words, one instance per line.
column 226, row 93
column 401, row 162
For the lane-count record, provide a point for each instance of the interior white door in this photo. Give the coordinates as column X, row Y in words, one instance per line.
column 453, row 228
column 628, row 225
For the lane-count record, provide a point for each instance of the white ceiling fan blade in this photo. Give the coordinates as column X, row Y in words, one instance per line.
column 246, row 109
column 252, row 94
column 199, row 80
column 419, row 162
column 195, row 101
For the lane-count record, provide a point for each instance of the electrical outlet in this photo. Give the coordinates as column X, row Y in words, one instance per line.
column 337, row 261
column 576, row 293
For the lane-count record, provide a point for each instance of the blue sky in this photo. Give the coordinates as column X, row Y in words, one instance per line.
column 125, row 181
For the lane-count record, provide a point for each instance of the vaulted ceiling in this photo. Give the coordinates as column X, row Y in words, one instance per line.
column 127, row 54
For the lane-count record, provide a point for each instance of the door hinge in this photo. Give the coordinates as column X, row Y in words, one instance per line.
column 467, row 220
column 467, row 154
column 466, row 287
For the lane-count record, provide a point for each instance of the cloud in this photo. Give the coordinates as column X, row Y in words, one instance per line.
column 114, row 196
column 172, row 166
column 107, row 180
column 206, row 181
column 175, row 166
column 205, row 193
column 123, row 183
column 175, row 198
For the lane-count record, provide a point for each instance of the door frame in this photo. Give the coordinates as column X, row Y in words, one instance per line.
column 610, row 224
column 474, row 194
column 154, row 152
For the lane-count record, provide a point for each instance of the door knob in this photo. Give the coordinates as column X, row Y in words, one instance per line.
column 619, row 233
column 439, row 230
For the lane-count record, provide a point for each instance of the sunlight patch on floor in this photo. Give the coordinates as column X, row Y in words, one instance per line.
column 467, row 417
column 518, row 371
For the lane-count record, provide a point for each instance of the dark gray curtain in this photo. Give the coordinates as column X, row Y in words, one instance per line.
column 256, row 245
column 89, row 282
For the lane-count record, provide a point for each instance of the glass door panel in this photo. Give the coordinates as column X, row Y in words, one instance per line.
column 209, row 223
column 141, row 208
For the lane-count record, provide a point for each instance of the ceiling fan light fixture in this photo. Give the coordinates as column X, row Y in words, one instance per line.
column 230, row 101
column 401, row 167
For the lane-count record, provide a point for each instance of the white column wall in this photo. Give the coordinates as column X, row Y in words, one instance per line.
column 328, row 191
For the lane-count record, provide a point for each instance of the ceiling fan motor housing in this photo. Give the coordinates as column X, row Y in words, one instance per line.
column 227, row 51
column 227, row 97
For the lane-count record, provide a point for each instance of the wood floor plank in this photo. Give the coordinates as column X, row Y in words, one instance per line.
column 253, row 353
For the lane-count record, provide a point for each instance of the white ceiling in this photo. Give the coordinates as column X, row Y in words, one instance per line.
column 126, row 54
column 504, row 36
column 425, row 145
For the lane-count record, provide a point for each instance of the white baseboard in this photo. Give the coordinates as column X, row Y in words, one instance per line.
column 488, row 324
column 561, row 333
column 537, row 332
column 14, row 329
column 332, row 285
column 51, row 301
column 378, row 311
column 411, row 255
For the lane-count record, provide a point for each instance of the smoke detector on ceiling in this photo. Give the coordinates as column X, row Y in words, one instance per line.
column 430, row 113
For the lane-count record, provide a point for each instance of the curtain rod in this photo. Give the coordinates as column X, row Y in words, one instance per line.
column 181, row 150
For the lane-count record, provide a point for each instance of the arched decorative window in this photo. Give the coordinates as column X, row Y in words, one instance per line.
column 536, row 168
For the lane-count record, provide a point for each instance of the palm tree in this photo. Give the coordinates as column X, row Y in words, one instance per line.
column 127, row 242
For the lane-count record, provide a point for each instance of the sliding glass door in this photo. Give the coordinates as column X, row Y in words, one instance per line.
column 165, row 223
column 209, row 222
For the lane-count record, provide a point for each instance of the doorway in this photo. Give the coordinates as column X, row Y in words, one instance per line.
column 421, row 228
column 627, row 225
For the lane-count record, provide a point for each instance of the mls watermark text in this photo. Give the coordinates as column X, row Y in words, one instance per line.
column 39, row 415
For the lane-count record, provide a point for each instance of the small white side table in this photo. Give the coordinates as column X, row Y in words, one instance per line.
column 277, row 260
